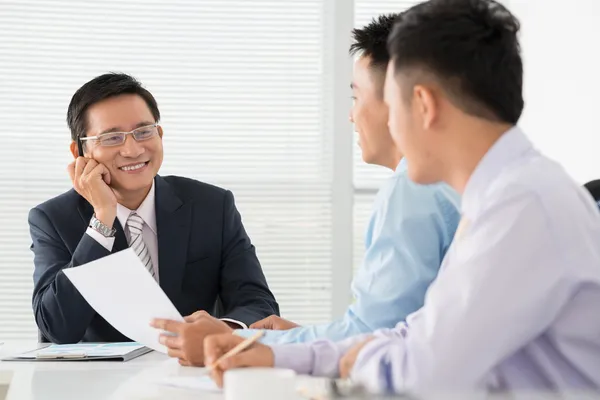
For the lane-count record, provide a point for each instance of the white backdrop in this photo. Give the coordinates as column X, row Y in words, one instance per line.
column 561, row 49
column 255, row 98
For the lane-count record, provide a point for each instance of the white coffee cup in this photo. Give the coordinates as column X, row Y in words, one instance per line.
column 260, row 384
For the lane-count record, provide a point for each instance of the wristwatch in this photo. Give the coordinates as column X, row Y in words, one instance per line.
column 102, row 229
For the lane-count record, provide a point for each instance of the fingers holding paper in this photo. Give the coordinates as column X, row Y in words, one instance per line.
column 185, row 340
column 215, row 346
column 174, row 346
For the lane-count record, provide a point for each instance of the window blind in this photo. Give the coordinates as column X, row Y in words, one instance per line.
column 240, row 86
column 368, row 178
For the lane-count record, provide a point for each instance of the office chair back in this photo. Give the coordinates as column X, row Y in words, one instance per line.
column 42, row 338
column 594, row 188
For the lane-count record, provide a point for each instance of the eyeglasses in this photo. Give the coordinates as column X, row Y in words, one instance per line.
column 117, row 138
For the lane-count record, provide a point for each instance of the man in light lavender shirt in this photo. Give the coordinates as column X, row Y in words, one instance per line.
column 515, row 305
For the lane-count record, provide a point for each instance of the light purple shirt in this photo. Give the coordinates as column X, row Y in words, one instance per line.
column 516, row 305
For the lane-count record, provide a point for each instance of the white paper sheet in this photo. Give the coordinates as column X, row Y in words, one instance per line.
column 124, row 293
column 195, row 383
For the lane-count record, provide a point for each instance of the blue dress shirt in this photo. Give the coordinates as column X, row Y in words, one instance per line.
column 410, row 230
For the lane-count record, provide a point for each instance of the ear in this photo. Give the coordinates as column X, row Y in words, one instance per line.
column 160, row 131
column 426, row 104
column 73, row 148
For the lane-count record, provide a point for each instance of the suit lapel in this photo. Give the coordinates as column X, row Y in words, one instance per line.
column 173, row 223
column 86, row 211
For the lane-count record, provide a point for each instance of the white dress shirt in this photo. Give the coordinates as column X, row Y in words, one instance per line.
column 147, row 212
column 516, row 303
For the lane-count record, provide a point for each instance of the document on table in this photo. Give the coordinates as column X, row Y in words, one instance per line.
column 124, row 293
column 84, row 352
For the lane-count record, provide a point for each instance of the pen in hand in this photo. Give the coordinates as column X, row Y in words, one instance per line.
column 237, row 349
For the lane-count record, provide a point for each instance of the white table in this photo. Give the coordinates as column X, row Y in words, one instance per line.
column 95, row 380
column 139, row 379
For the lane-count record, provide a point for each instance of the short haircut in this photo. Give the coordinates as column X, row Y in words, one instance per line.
column 371, row 40
column 101, row 88
column 470, row 48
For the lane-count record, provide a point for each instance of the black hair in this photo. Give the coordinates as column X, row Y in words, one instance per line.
column 470, row 48
column 100, row 88
column 371, row 40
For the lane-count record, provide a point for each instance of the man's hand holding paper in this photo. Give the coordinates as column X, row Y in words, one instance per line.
column 135, row 298
column 186, row 345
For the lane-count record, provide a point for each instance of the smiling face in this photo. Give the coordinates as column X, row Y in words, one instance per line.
column 132, row 165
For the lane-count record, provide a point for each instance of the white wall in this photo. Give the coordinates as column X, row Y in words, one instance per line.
column 561, row 51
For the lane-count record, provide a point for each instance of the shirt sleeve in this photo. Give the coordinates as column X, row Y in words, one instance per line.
column 406, row 239
column 322, row 358
column 349, row 325
column 503, row 284
column 106, row 242
column 241, row 324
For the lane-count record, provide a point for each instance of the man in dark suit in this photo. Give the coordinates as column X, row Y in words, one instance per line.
column 188, row 234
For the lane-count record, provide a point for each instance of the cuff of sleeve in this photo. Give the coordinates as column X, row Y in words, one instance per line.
column 372, row 368
column 298, row 357
column 241, row 324
column 107, row 243
column 245, row 333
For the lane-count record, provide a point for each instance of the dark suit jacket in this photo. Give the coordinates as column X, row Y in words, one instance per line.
column 203, row 250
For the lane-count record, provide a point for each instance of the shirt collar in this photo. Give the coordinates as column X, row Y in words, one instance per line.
column 510, row 146
column 402, row 166
column 146, row 210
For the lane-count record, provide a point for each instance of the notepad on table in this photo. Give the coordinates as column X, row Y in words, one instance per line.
column 84, row 352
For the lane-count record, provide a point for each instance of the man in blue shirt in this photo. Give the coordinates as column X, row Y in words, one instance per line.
column 410, row 229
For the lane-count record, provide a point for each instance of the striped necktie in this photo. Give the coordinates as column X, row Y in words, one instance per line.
column 135, row 223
